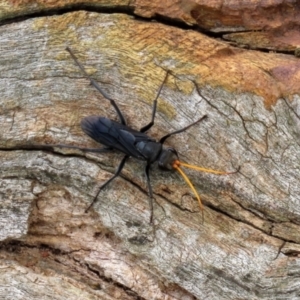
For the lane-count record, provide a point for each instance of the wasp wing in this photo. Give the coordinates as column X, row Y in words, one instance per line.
column 114, row 135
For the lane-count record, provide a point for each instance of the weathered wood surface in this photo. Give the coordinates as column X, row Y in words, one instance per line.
column 248, row 245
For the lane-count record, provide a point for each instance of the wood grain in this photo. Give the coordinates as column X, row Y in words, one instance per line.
column 247, row 246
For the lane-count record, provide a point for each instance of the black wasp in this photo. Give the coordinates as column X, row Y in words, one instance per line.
column 118, row 136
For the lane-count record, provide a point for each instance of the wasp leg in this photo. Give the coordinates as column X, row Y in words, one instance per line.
column 96, row 85
column 163, row 139
column 148, row 126
column 119, row 169
column 147, row 169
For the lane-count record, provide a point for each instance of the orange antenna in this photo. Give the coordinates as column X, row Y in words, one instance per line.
column 176, row 165
column 203, row 169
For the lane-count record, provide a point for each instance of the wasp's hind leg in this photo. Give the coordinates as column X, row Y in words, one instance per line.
column 119, row 169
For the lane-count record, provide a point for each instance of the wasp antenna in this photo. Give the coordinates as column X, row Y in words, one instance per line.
column 176, row 167
column 204, row 169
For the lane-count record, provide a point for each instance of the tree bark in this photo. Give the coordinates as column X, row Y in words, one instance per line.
column 246, row 243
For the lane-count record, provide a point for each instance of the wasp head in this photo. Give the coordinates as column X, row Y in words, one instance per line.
column 167, row 159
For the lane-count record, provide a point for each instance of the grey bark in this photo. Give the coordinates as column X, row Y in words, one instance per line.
column 247, row 246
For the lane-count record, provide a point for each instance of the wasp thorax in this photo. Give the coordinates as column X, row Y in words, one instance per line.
column 167, row 158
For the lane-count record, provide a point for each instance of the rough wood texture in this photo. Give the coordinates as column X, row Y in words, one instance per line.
column 248, row 245
column 272, row 25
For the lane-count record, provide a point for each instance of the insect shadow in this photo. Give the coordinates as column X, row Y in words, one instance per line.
column 118, row 136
